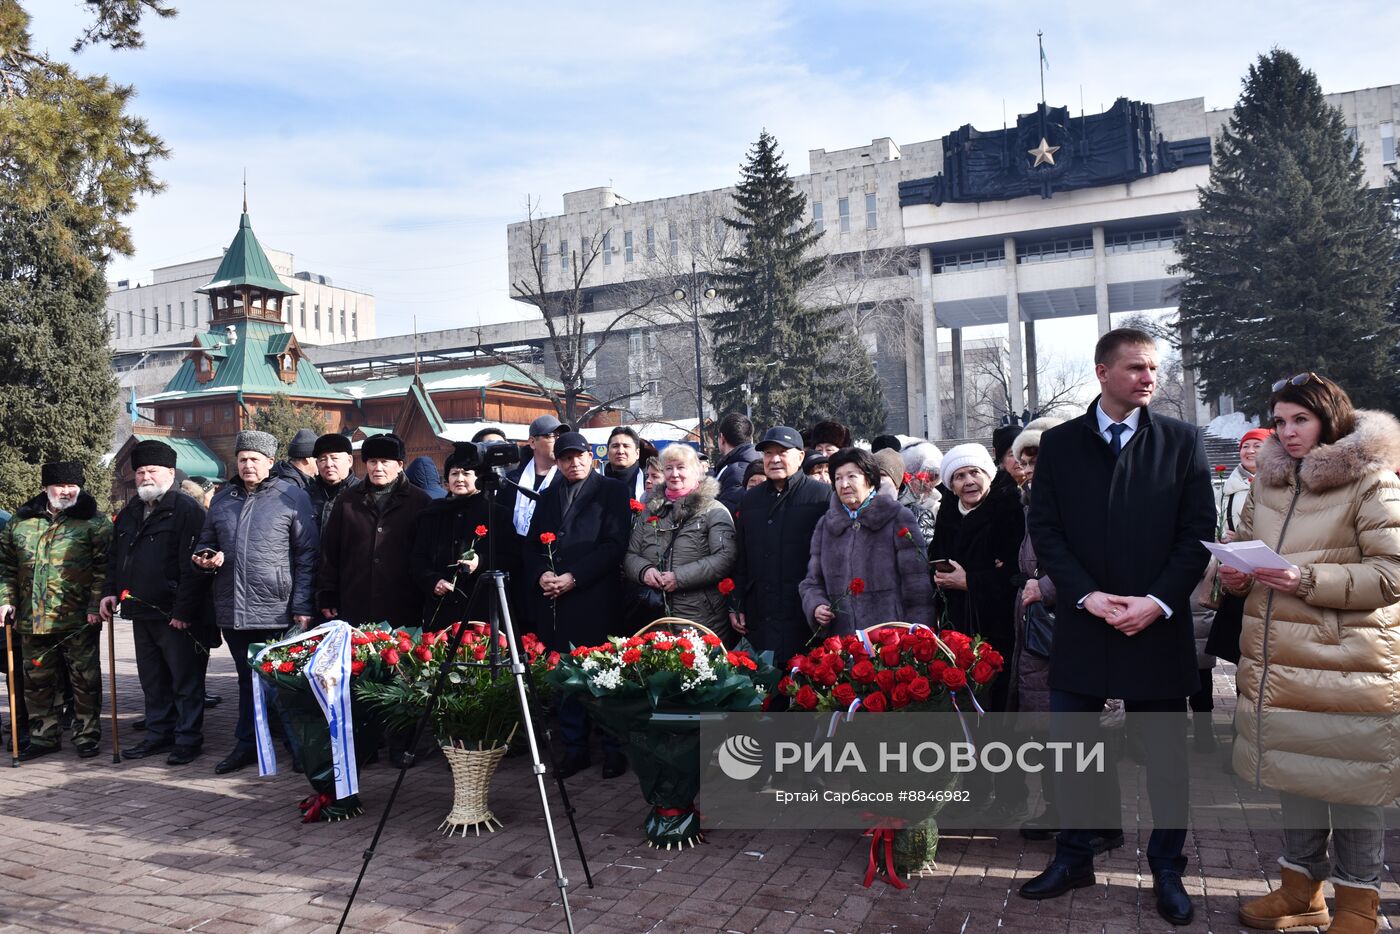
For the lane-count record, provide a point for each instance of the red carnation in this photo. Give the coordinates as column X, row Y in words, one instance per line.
column 390, row 656
column 844, row 694
column 726, row 586
column 636, row 505
column 954, row 679
column 38, row 663
column 631, row 656
column 684, row 643
column 688, row 659
column 712, row 640
column 806, row 698
column 875, row 702
column 863, row 670
column 267, row 667
column 652, row 520
column 904, row 529
column 900, row 696
column 126, row 595
column 663, row 645
column 480, row 531
column 286, row 668
column 857, row 587
column 295, row 650
column 635, row 642
column 920, row 689
column 982, row 672
column 357, row 667
column 548, row 538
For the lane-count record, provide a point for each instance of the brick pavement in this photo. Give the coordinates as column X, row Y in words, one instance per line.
column 96, row 847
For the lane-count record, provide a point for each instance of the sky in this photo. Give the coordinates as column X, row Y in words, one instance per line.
column 388, row 145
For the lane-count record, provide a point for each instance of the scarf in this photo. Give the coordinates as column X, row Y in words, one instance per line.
column 673, row 495
column 855, row 513
column 524, row 505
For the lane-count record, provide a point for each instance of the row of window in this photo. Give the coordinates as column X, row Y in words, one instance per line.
column 353, row 320
column 1387, row 142
column 1165, row 239
column 1056, row 250
column 349, row 325
column 185, row 416
column 843, row 214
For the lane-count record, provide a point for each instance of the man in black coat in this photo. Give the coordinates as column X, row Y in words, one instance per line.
column 571, row 565
column 774, row 525
column 335, row 474
column 148, row 567
column 1122, row 503
column 736, row 454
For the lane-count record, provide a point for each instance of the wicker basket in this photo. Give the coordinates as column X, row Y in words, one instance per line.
column 471, row 782
column 675, row 625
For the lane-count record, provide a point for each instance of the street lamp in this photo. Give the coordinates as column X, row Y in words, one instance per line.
column 680, row 295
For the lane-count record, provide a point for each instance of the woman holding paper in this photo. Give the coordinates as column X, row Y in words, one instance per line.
column 1319, row 676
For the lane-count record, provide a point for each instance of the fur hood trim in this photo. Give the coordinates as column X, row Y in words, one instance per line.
column 1374, row 447
column 691, row 504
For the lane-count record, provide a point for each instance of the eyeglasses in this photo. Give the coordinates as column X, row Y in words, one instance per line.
column 1298, row 380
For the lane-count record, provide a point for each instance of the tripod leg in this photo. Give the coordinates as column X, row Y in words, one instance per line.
column 563, row 790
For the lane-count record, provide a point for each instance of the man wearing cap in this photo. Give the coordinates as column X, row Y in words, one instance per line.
column 774, row 525
column 574, row 577
column 335, row 474
column 535, row 474
column 300, row 465
column 365, row 574
column 53, row 562
column 147, row 568
column 264, row 543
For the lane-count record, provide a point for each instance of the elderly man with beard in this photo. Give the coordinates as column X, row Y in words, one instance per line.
column 335, row 474
column 53, row 562
column 149, row 574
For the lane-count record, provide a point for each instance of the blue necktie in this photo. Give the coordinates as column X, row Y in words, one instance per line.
column 1115, row 444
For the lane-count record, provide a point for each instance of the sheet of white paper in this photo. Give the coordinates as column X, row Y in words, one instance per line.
column 1247, row 556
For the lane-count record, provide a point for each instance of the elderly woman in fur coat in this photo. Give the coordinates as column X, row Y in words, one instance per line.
column 1319, row 670
column 683, row 543
column 868, row 538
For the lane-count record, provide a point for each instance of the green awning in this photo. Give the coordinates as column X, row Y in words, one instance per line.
column 191, row 456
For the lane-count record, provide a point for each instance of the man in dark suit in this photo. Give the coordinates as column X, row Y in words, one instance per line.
column 1122, row 502
column 571, row 569
column 774, row 525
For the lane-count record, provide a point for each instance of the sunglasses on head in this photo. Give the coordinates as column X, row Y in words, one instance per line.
column 1298, row 380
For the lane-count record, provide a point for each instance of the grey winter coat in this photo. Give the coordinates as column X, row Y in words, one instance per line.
column 892, row 566
column 704, row 553
column 270, row 545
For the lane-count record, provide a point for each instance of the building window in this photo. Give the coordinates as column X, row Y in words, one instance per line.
column 675, row 239
column 634, row 341
column 544, row 260
column 189, row 416
column 1143, row 240
column 317, row 318
column 208, row 414
column 303, row 316
column 607, row 249
column 354, row 324
column 195, row 309
column 817, row 223
column 627, row 247
column 155, row 319
column 870, row 219
column 651, row 243
column 563, row 256
column 168, row 320
column 1388, row 143
column 342, row 322
column 119, row 325
column 1051, row 251
column 228, row 413
column 970, row 260
column 183, row 320
column 843, row 212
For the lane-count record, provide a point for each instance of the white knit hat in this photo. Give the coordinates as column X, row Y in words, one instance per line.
column 1030, row 437
column 967, row 455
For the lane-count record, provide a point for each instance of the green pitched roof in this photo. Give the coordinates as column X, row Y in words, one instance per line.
column 245, row 263
column 191, row 455
column 248, row 366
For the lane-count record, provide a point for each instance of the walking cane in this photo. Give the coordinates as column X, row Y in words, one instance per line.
column 10, row 690
column 112, row 654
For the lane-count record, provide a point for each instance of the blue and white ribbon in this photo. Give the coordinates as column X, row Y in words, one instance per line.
column 328, row 674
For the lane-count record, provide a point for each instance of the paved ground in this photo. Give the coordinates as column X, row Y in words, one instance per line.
column 95, row 846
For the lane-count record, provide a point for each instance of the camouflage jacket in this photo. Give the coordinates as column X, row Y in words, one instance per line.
column 52, row 568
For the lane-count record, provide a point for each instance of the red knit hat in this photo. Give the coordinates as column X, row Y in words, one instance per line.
column 1257, row 434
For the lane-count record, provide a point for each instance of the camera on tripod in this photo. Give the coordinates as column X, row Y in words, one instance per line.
column 485, row 457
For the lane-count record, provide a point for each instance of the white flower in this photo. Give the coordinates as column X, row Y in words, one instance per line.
column 608, row 679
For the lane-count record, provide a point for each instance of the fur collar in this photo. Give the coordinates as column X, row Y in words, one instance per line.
column 85, row 508
column 691, row 504
column 1374, row 447
column 1237, row 482
column 880, row 513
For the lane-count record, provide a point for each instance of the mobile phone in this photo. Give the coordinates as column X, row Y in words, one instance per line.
column 205, row 553
column 943, row 566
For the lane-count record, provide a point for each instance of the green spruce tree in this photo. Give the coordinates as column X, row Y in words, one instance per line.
column 798, row 361
column 1289, row 266
column 283, row 418
column 72, row 161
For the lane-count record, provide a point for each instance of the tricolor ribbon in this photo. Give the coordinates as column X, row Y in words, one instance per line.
column 328, row 674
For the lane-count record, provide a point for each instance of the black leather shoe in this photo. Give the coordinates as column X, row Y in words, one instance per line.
column 85, row 750
column 35, row 750
column 146, row 748
column 238, row 759
column 614, row 764
column 1173, row 903
column 573, row 764
column 183, row 755
column 1056, row 880
column 1102, row 843
column 213, row 700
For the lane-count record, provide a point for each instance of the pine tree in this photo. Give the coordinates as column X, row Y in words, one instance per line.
column 1289, row 266
column 283, row 418
column 797, row 360
column 72, row 160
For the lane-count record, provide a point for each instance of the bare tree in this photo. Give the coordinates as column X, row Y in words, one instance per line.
column 577, row 332
column 1061, row 385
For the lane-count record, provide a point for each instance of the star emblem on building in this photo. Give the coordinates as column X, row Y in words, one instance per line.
column 1044, row 153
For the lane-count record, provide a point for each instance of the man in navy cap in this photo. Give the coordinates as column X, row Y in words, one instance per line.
column 774, row 525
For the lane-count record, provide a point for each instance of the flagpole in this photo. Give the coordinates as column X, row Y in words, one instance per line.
column 1040, row 44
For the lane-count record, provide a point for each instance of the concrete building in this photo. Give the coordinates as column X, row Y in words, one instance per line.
column 1055, row 216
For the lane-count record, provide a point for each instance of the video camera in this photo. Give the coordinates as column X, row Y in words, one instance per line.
column 482, row 455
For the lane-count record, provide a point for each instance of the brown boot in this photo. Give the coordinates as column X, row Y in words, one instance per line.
column 1357, row 909
column 1296, row 903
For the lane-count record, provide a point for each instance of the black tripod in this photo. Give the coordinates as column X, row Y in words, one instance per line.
column 500, row 622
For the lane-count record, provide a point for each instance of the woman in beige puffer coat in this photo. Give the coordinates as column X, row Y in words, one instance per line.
column 1319, row 671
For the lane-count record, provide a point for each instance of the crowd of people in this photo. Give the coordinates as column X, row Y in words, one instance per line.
column 1074, row 547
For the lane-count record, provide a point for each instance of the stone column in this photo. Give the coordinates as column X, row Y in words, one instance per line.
column 933, row 402
column 959, row 386
column 1032, row 383
column 1017, row 389
column 1101, row 283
